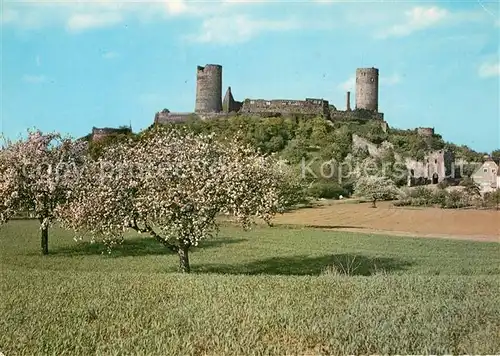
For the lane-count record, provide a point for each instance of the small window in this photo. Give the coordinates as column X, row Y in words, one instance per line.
column 372, row 80
column 436, row 161
column 485, row 170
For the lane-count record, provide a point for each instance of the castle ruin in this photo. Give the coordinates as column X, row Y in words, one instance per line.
column 367, row 89
column 208, row 89
column 434, row 168
column 209, row 103
column 99, row 134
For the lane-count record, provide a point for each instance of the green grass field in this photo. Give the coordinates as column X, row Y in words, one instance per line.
column 265, row 291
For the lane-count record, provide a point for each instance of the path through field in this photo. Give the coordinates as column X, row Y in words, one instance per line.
column 480, row 225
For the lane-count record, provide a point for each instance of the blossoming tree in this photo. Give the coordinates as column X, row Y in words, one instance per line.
column 35, row 176
column 173, row 185
column 375, row 187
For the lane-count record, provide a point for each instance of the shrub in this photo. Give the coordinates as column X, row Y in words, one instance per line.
column 456, row 200
column 439, row 197
column 422, row 196
column 492, row 199
column 327, row 190
column 443, row 184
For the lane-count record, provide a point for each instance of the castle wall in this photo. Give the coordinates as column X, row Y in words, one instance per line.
column 167, row 117
column 367, row 88
column 311, row 107
column 229, row 104
column 438, row 162
column 353, row 115
column 209, row 89
column 100, row 133
column 374, row 150
column 425, row 131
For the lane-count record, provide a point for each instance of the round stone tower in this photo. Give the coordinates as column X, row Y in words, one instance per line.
column 367, row 89
column 208, row 89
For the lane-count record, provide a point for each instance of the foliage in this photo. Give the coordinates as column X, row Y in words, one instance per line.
column 375, row 188
column 408, row 143
column 453, row 199
column 468, row 169
column 36, row 175
column 495, row 154
column 464, row 153
column 471, row 188
column 492, row 199
column 297, row 138
column 456, row 199
column 327, row 189
column 173, row 185
column 122, row 135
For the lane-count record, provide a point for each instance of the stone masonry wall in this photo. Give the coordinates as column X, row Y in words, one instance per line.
column 303, row 107
column 438, row 162
column 367, row 88
column 209, row 89
column 353, row 115
column 425, row 131
column 167, row 117
column 100, row 133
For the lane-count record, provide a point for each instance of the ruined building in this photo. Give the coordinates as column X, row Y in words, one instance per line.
column 278, row 107
column 208, row 89
column 209, row 102
column 367, row 89
column 433, row 169
column 229, row 104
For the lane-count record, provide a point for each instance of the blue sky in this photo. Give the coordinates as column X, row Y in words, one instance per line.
column 68, row 65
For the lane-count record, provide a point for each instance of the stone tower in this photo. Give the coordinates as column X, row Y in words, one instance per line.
column 425, row 131
column 228, row 102
column 208, row 89
column 367, row 89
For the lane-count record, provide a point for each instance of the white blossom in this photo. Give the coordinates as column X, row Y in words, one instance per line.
column 173, row 185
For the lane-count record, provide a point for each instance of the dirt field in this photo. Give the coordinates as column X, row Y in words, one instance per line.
column 481, row 225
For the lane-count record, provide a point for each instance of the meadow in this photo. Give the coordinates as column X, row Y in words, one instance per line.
column 270, row 290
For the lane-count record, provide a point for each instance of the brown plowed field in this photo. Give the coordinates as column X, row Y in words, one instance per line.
column 481, row 225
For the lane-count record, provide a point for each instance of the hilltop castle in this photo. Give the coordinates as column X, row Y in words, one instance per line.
column 210, row 104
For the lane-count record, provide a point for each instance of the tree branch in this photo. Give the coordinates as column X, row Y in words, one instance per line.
column 149, row 230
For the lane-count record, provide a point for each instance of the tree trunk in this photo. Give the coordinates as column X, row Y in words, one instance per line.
column 183, row 259
column 45, row 240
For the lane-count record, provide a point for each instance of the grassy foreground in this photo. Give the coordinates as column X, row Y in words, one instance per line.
column 267, row 291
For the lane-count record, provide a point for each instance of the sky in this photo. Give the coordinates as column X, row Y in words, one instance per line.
column 68, row 65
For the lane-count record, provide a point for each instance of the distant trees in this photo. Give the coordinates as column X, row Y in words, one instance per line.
column 464, row 152
column 173, row 185
column 36, row 175
column 495, row 154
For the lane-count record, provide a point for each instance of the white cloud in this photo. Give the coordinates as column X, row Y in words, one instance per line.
column 81, row 22
column 237, row 29
column 416, row 19
column 110, row 55
column 489, row 69
column 34, row 79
